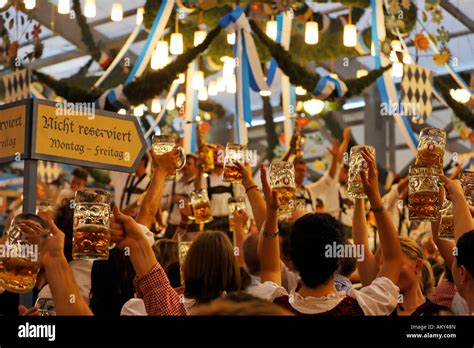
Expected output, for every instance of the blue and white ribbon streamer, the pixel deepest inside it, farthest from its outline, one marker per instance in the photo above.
(156, 31)
(327, 85)
(191, 111)
(386, 86)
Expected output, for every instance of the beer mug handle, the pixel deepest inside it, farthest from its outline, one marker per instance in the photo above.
(182, 158)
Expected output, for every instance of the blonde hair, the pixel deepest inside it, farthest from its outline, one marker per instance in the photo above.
(414, 252)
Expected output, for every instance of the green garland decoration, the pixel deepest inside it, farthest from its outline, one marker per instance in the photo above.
(353, 3)
(152, 84)
(92, 47)
(299, 76)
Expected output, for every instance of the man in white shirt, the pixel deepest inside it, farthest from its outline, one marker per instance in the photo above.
(136, 184)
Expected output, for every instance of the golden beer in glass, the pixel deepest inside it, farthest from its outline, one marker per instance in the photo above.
(162, 144)
(423, 190)
(282, 180)
(91, 234)
(234, 153)
(20, 251)
(184, 243)
(446, 225)
(235, 204)
(201, 206)
(357, 163)
(431, 147)
(467, 183)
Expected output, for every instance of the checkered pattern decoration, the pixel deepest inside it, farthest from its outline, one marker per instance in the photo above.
(17, 85)
(48, 171)
(416, 92)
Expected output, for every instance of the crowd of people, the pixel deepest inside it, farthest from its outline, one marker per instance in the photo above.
(262, 265)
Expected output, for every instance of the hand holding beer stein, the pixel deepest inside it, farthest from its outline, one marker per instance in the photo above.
(201, 206)
(467, 183)
(358, 163)
(235, 204)
(163, 144)
(282, 180)
(20, 251)
(234, 154)
(91, 235)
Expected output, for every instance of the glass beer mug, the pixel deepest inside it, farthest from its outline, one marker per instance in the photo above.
(282, 180)
(91, 234)
(165, 143)
(467, 183)
(356, 164)
(234, 153)
(20, 249)
(235, 204)
(423, 190)
(431, 147)
(446, 225)
(201, 206)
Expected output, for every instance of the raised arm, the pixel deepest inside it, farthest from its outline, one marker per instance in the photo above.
(254, 195)
(240, 222)
(389, 242)
(368, 267)
(291, 150)
(338, 151)
(66, 295)
(269, 245)
(461, 212)
(151, 282)
(162, 166)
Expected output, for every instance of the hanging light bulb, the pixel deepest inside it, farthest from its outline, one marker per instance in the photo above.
(117, 12)
(3, 3)
(202, 94)
(397, 69)
(64, 6)
(334, 75)
(313, 106)
(140, 14)
(138, 110)
(299, 90)
(461, 95)
(299, 105)
(231, 38)
(89, 9)
(265, 93)
(311, 33)
(350, 35)
(231, 85)
(170, 106)
(272, 30)
(29, 4)
(406, 59)
(156, 105)
(160, 57)
(212, 88)
(180, 99)
(207, 116)
(198, 80)
(228, 69)
(199, 37)
(361, 73)
(221, 85)
(181, 78)
(176, 43)
(122, 111)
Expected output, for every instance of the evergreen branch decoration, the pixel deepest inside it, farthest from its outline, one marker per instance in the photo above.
(70, 91)
(462, 111)
(356, 86)
(87, 38)
(152, 84)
